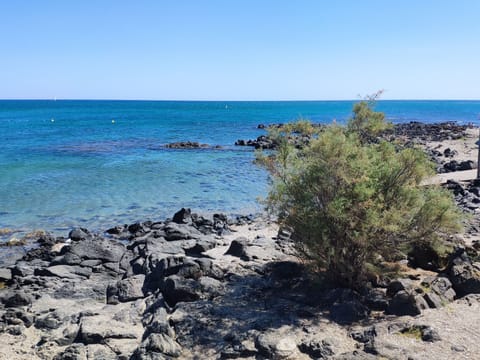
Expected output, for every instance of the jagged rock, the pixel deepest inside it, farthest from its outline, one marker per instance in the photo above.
(18, 317)
(72, 352)
(79, 234)
(65, 272)
(183, 216)
(158, 322)
(464, 276)
(430, 335)
(96, 329)
(5, 275)
(274, 345)
(376, 299)
(175, 231)
(356, 355)
(98, 248)
(404, 303)
(16, 298)
(237, 248)
(187, 145)
(51, 320)
(347, 312)
(439, 291)
(22, 269)
(179, 289)
(465, 279)
(317, 349)
(161, 343)
(128, 289)
(117, 230)
(200, 247)
(208, 268)
(433, 300)
(398, 285)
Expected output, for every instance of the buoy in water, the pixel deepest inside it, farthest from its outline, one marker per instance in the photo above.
(52, 120)
(113, 121)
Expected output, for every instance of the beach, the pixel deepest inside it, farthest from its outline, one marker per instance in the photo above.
(218, 287)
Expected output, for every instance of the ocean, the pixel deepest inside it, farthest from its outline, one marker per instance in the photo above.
(97, 164)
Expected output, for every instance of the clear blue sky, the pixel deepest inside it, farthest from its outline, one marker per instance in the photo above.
(239, 49)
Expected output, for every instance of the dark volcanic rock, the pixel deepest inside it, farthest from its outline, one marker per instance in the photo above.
(464, 275)
(348, 312)
(237, 248)
(179, 289)
(317, 349)
(97, 248)
(183, 216)
(128, 289)
(404, 303)
(16, 298)
(65, 271)
(79, 234)
(187, 145)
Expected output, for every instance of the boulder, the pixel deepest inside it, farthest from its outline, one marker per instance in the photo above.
(73, 352)
(174, 231)
(5, 275)
(16, 298)
(17, 317)
(465, 279)
(177, 289)
(79, 234)
(99, 248)
(275, 345)
(65, 272)
(125, 290)
(238, 248)
(96, 329)
(347, 312)
(398, 285)
(157, 322)
(317, 349)
(404, 303)
(464, 276)
(183, 216)
(163, 344)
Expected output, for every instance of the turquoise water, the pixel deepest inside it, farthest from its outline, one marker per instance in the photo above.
(65, 163)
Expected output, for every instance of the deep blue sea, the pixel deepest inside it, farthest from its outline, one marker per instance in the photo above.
(101, 163)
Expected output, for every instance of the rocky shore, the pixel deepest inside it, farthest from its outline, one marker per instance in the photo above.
(193, 287)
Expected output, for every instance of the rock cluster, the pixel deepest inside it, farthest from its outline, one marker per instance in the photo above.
(188, 145)
(177, 289)
(428, 132)
(413, 130)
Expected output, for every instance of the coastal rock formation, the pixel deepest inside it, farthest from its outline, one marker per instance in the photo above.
(416, 132)
(189, 145)
(223, 288)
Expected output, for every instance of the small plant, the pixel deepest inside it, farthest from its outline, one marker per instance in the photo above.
(414, 332)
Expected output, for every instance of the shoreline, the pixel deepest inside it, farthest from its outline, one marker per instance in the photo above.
(222, 288)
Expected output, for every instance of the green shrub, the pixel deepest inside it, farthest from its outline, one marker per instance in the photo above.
(353, 203)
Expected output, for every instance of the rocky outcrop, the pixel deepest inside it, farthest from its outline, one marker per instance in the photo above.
(190, 285)
(186, 145)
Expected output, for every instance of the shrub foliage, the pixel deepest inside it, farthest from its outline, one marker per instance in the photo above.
(352, 202)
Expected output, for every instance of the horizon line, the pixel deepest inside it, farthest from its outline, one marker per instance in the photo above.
(230, 100)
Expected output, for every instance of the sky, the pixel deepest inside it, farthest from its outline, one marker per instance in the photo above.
(239, 49)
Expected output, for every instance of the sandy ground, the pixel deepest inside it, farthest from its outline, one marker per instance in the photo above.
(466, 149)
